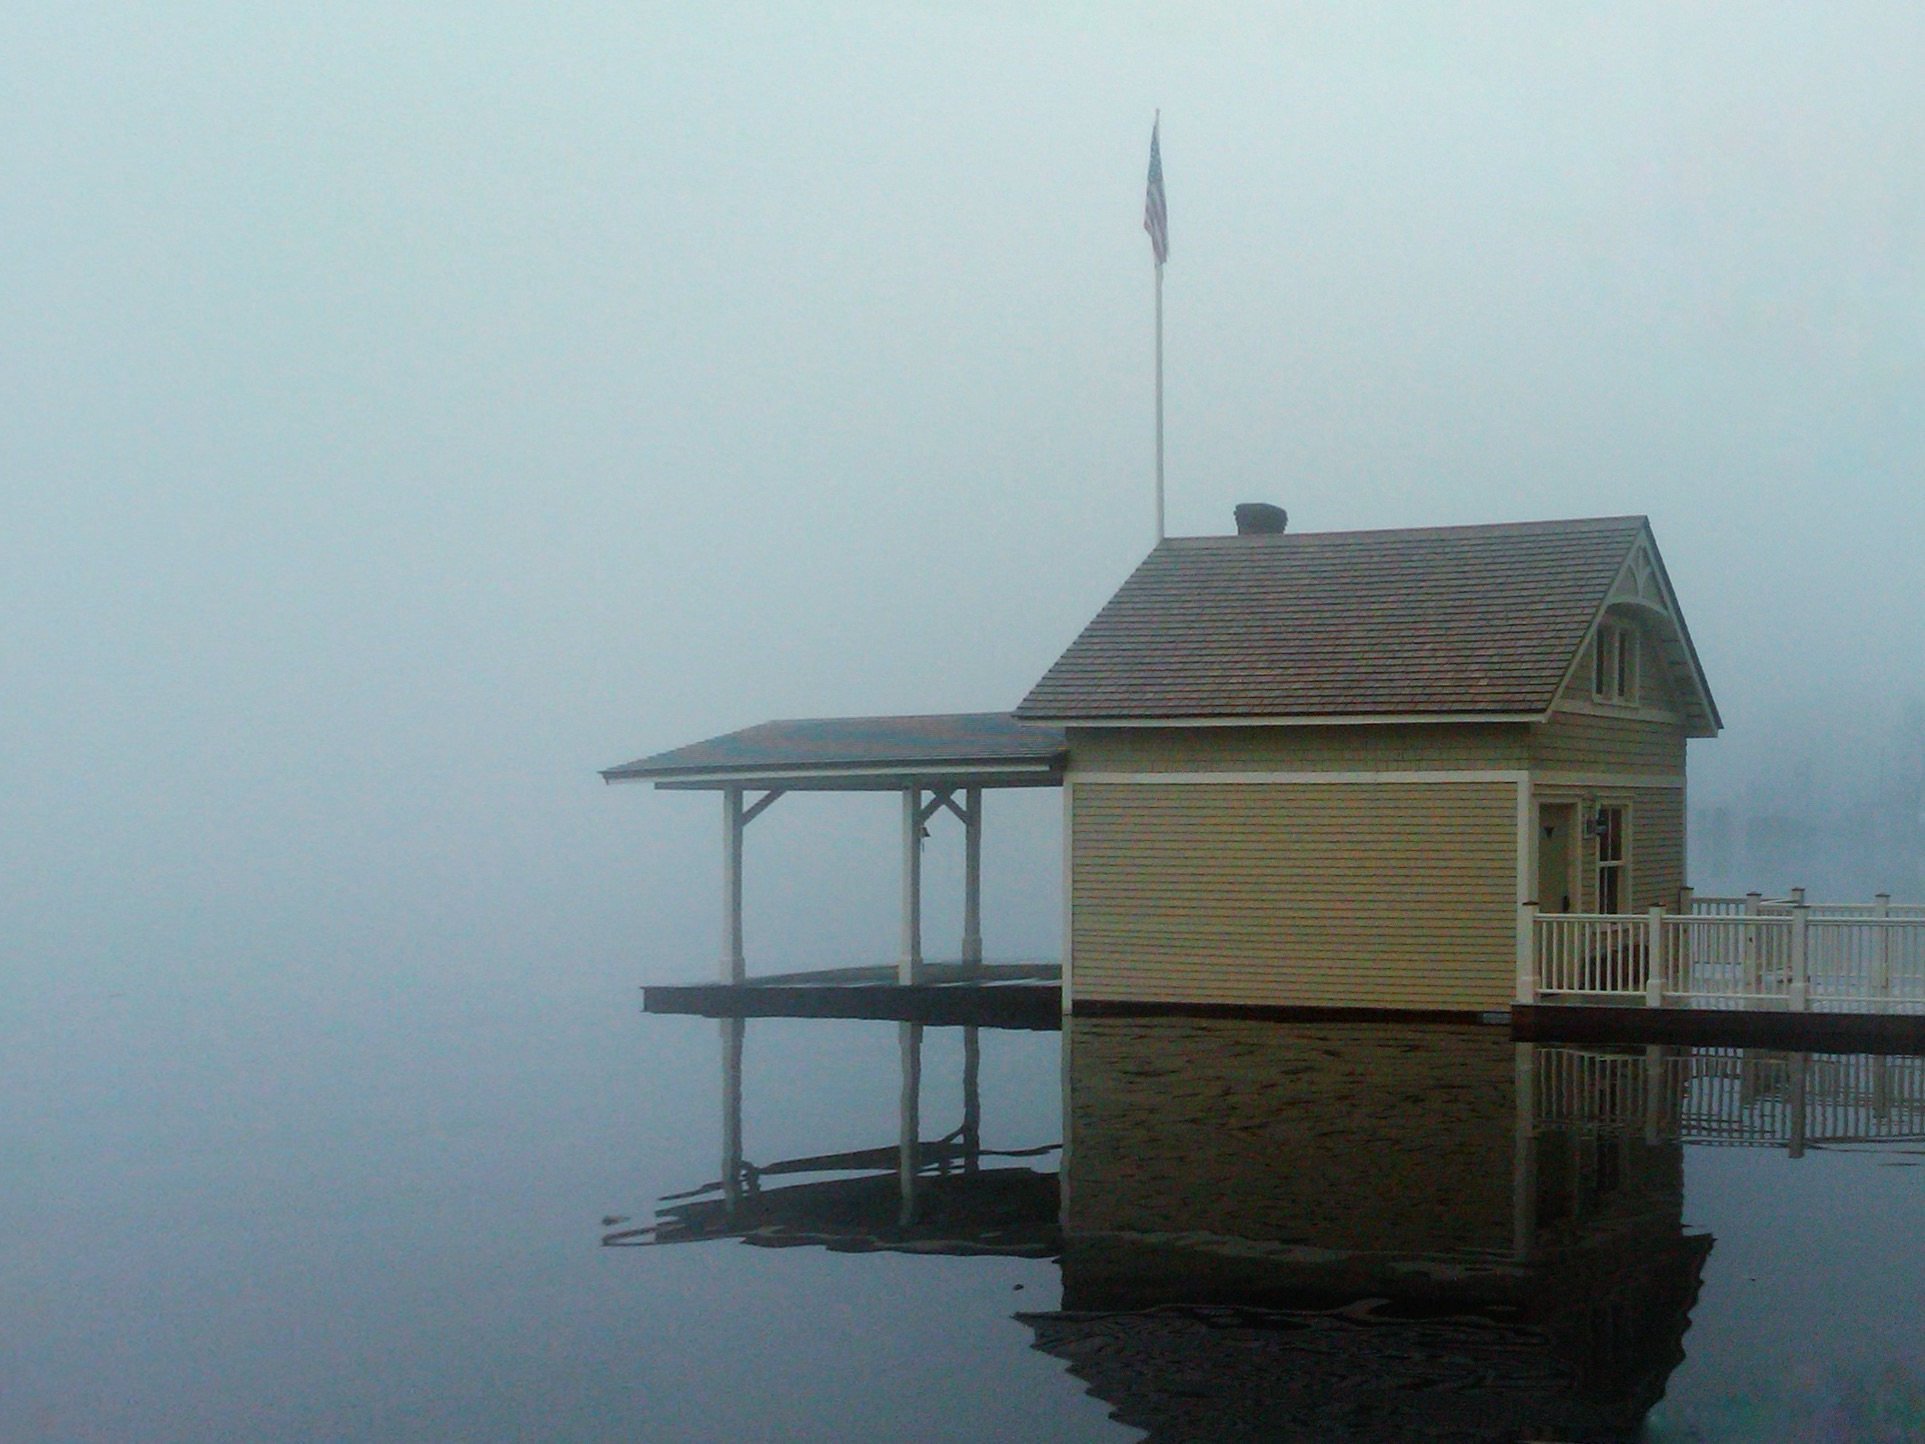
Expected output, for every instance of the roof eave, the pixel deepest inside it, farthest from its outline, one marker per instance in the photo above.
(1285, 719)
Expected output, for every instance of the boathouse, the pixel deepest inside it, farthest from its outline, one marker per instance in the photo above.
(1300, 770)
(1326, 769)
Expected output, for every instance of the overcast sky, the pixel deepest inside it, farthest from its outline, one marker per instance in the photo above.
(411, 409)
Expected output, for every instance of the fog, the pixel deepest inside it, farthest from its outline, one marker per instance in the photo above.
(411, 410)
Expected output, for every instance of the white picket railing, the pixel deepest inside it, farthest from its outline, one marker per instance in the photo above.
(1837, 957)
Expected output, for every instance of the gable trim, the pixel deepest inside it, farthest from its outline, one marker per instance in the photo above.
(1644, 545)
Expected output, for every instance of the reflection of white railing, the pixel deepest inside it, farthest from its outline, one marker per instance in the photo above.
(1837, 957)
(1732, 1096)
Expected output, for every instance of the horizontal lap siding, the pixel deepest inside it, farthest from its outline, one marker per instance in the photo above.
(1294, 894)
(1377, 748)
(1581, 742)
(1657, 846)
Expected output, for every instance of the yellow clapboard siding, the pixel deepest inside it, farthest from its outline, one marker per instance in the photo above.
(1395, 895)
(1586, 742)
(1657, 846)
(1377, 747)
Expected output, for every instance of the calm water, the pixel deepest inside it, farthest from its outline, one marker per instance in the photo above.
(331, 1230)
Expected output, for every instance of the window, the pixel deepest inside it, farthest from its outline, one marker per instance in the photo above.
(1612, 893)
(1614, 674)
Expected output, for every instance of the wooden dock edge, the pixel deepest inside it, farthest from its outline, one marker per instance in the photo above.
(1708, 1027)
(1030, 1007)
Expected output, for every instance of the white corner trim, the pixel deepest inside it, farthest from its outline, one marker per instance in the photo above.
(1069, 909)
(1526, 841)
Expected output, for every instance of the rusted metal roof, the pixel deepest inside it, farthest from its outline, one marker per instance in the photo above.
(986, 749)
(1443, 621)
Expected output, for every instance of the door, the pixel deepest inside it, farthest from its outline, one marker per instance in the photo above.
(1556, 823)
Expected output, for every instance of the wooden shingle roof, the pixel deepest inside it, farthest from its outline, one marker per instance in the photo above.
(1438, 621)
(989, 749)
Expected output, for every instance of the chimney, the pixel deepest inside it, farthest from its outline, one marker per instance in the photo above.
(1259, 518)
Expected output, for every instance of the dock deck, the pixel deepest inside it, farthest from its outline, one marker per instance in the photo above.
(1026, 996)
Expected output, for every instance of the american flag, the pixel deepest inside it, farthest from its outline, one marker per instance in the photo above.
(1156, 217)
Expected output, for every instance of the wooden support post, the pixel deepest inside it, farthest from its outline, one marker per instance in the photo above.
(733, 1030)
(972, 938)
(1798, 897)
(910, 966)
(1795, 1104)
(1654, 958)
(909, 1137)
(972, 1124)
(1800, 1000)
(1685, 895)
(734, 969)
(1527, 952)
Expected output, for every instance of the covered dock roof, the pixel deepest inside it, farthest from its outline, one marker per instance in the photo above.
(953, 758)
(864, 754)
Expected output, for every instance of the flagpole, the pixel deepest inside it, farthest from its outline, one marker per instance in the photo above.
(1156, 220)
(1159, 401)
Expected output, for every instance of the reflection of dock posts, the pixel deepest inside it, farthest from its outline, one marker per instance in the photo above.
(911, 962)
(972, 1124)
(909, 1141)
(1653, 1094)
(972, 938)
(732, 1033)
(1795, 1102)
(1524, 1156)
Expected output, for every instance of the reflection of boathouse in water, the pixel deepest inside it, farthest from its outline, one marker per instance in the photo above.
(1317, 1231)
(1359, 1232)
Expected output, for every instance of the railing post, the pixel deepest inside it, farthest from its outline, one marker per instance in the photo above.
(1882, 909)
(1685, 896)
(1654, 958)
(1527, 952)
(1748, 958)
(1800, 1000)
(1797, 897)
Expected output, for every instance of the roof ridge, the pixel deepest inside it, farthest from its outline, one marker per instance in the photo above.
(1500, 528)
